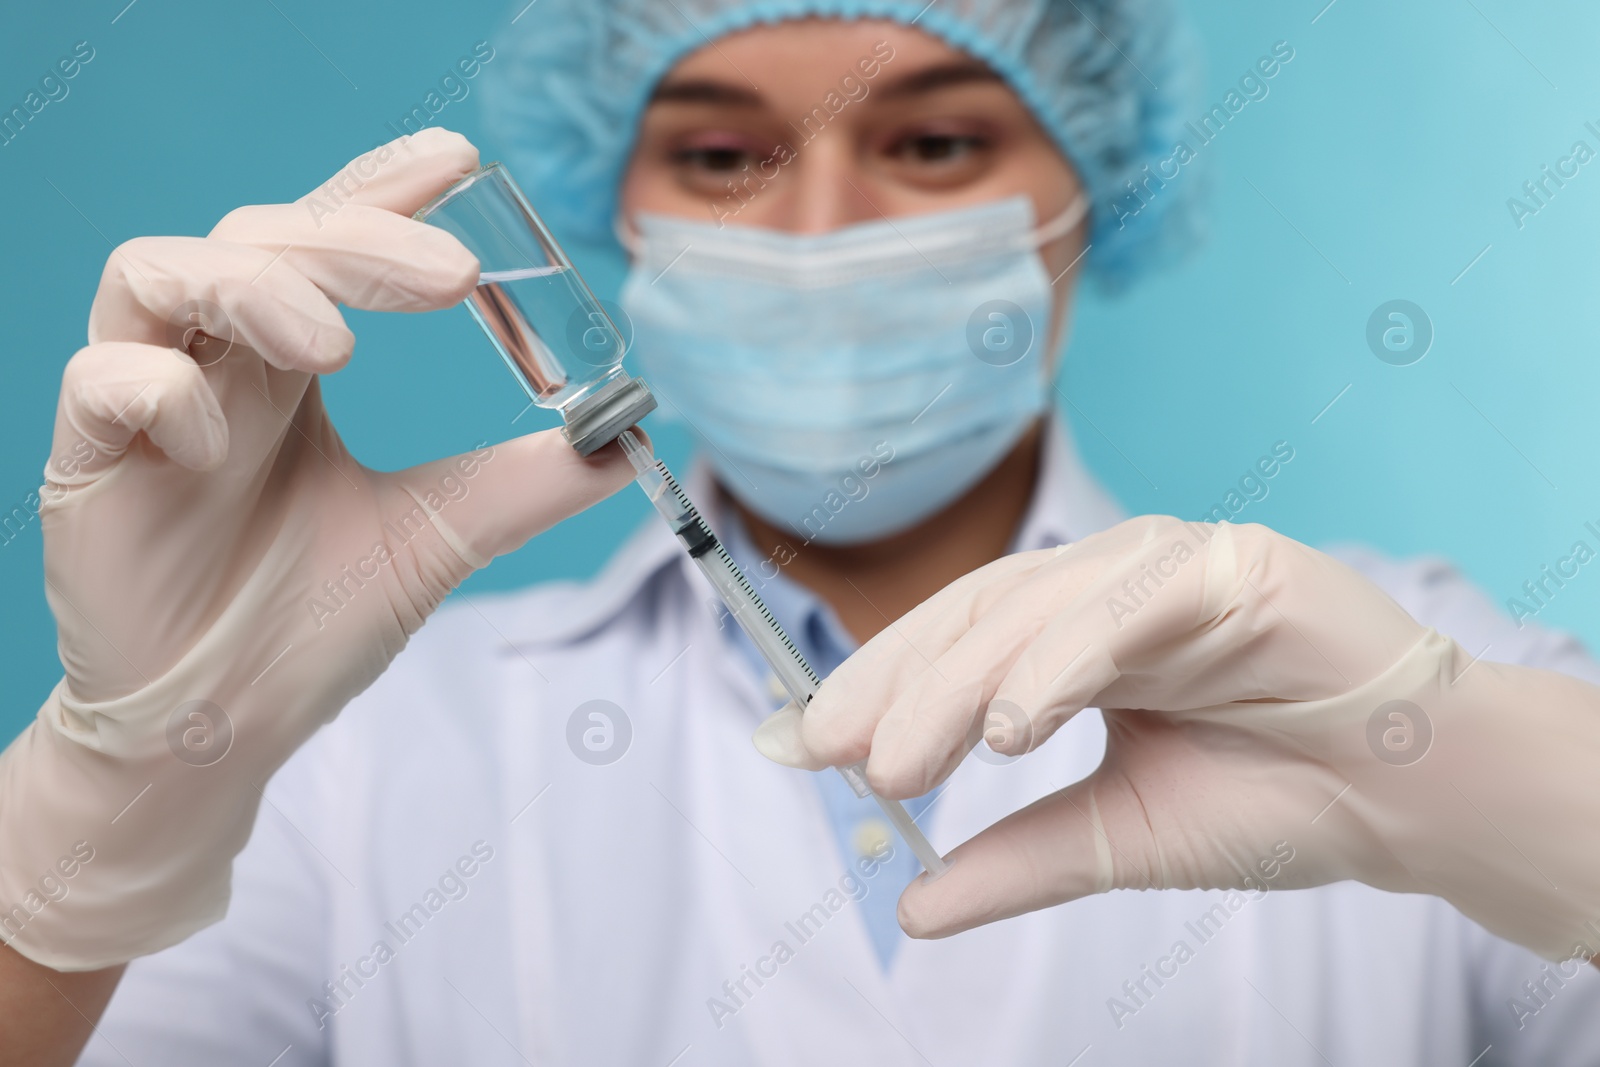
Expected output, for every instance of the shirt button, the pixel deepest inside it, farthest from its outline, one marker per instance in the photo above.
(871, 837)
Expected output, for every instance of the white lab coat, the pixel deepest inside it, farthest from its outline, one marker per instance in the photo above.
(607, 905)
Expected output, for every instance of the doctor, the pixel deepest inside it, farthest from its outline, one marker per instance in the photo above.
(541, 835)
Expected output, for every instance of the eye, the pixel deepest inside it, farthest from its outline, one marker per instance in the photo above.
(713, 158)
(931, 147)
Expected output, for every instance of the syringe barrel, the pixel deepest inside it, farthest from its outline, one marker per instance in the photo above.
(796, 678)
(753, 618)
(719, 569)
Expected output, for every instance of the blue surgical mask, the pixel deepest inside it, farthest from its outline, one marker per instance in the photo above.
(849, 384)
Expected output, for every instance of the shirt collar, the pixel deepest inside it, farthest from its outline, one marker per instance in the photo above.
(1068, 505)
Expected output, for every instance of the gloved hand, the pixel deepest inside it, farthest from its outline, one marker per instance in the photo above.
(224, 576)
(1287, 707)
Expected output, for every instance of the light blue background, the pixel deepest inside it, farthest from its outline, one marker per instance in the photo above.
(1378, 168)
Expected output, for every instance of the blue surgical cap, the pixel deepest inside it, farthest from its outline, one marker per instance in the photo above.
(1110, 80)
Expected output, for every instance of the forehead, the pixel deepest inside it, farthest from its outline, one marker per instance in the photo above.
(779, 62)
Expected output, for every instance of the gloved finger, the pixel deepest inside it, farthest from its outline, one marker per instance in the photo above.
(917, 696)
(1164, 810)
(401, 176)
(931, 725)
(490, 501)
(357, 250)
(1152, 597)
(940, 716)
(1185, 805)
(159, 290)
(114, 390)
(354, 236)
(838, 725)
(1054, 850)
(780, 738)
(363, 257)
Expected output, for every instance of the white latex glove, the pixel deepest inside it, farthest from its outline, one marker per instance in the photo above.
(1264, 670)
(208, 539)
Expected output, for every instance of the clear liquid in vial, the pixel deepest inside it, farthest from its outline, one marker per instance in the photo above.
(548, 329)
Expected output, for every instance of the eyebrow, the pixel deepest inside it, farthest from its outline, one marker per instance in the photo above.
(926, 80)
(940, 76)
(705, 91)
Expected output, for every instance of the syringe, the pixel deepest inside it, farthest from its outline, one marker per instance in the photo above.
(752, 615)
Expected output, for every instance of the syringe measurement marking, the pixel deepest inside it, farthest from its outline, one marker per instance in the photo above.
(761, 607)
(705, 541)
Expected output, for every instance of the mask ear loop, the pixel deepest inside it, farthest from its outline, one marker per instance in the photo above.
(628, 237)
(1063, 223)
(1054, 230)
